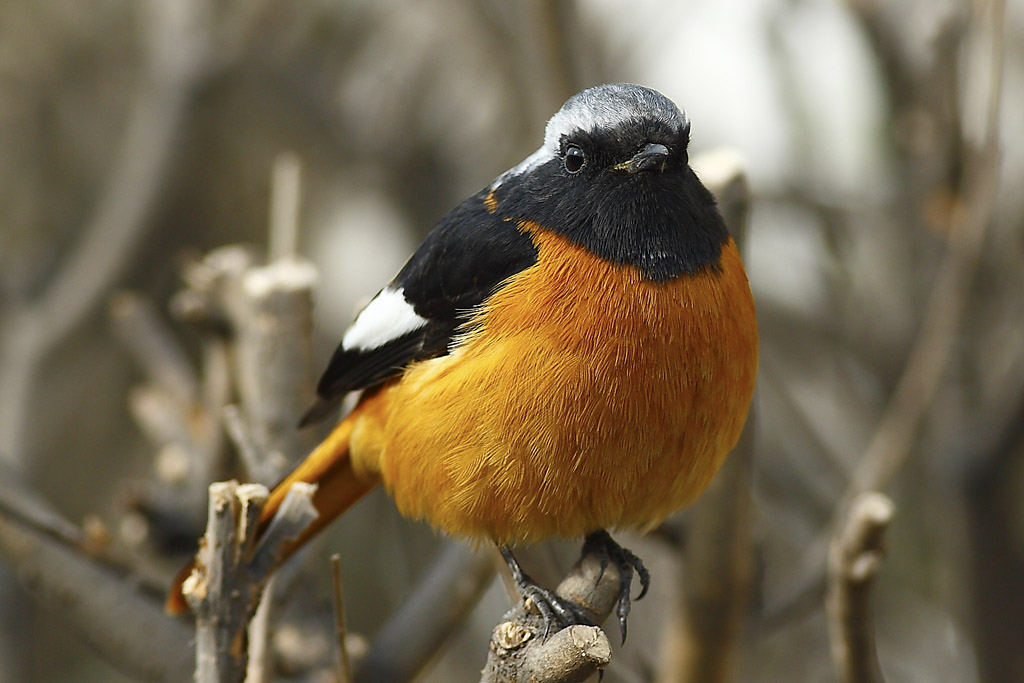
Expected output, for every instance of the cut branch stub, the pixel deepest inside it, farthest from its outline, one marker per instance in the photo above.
(519, 651)
(233, 568)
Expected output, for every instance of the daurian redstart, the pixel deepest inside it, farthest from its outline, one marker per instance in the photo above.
(571, 349)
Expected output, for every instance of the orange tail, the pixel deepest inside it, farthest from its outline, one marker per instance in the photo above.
(338, 488)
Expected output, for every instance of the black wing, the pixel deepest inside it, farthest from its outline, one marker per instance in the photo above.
(461, 262)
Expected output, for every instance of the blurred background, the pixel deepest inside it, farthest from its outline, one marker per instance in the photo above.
(885, 248)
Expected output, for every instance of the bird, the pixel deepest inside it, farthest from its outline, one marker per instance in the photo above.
(572, 349)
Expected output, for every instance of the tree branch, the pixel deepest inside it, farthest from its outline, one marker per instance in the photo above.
(929, 356)
(519, 653)
(449, 591)
(855, 556)
(80, 583)
(233, 569)
(176, 52)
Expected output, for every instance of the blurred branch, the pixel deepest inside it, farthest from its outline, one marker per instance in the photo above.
(932, 349)
(344, 663)
(154, 347)
(233, 569)
(518, 651)
(440, 603)
(174, 56)
(701, 637)
(855, 556)
(116, 611)
(267, 310)
(989, 465)
(259, 668)
(177, 411)
(285, 204)
(256, 327)
(930, 354)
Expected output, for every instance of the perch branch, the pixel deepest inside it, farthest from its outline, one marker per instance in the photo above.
(519, 653)
(855, 555)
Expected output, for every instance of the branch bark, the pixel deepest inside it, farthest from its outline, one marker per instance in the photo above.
(233, 569)
(518, 651)
(855, 556)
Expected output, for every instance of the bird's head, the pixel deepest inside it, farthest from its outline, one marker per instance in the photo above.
(613, 176)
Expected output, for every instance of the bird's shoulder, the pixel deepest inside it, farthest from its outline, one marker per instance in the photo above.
(466, 256)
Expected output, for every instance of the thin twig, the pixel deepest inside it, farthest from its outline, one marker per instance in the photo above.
(285, 200)
(933, 347)
(344, 665)
(855, 556)
(154, 346)
(258, 669)
(241, 437)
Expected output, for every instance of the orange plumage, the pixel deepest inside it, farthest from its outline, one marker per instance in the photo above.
(564, 412)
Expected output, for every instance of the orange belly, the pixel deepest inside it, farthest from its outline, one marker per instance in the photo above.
(569, 408)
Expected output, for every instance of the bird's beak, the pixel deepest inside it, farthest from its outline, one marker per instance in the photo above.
(652, 157)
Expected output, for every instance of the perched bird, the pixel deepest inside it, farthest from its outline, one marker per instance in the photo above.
(571, 349)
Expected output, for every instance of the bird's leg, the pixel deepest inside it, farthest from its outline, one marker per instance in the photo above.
(601, 544)
(550, 605)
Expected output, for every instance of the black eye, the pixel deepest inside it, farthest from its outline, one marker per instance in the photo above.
(574, 159)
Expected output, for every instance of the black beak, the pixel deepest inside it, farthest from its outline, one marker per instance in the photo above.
(652, 157)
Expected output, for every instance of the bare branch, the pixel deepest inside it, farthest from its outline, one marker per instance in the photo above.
(933, 347)
(285, 200)
(258, 669)
(231, 574)
(176, 52)
(344, 665)
(569, 656)
(245, 444)
(519, 652)
(855, 556)
(922, 375)
(66, 574)
(153, 346)
(449, 591)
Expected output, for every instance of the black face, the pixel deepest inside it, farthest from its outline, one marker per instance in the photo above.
(625, 194)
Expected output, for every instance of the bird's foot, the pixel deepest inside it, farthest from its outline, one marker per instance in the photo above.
(600, 543)
(552, 607)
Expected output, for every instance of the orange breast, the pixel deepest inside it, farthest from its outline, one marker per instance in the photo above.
(584, 397)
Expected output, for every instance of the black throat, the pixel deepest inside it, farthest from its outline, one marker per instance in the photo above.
(663, 222)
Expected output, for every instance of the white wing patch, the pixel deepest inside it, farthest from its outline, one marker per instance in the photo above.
(387, 317)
